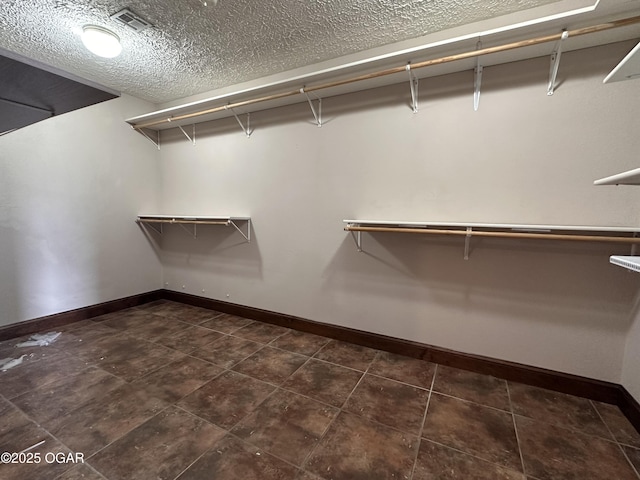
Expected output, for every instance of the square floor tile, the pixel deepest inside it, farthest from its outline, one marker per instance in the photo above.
(193, 315)
(437, 462)
(271, 365)
(227, 351)
(82, 471)
(356, 448)
(227, 399)
(160, 448)
(61, 397)
(129, 357)
(286, 425)
(260, 332)
(155, 327)
(300, 342)
(557, 408)
(395, 404)
(190, 339)
(30, 375)
(25, 437)
(550, 453)
(403, 369)
(324, 381)
(231, 459)
(226, 323)
(96, 424)
(347, 354)
(482, 389)
(481, 431)
(178, 379)
(633, 454)
(622, 429)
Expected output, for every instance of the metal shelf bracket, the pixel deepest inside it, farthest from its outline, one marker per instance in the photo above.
(155, 142)
(247, 130)
(555, 63)
(246, 236)
(477, 80)
(316, 114)
(413, 84)
(191, 138)
(467, 242)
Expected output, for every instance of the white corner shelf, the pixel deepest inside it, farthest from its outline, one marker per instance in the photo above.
(631, 177)
(194, 220)
(628, 261)
(627, 69)
(625, 235)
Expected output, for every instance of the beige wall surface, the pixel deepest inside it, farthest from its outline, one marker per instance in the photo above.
(523, 157)
(631, 365)
(70, 189)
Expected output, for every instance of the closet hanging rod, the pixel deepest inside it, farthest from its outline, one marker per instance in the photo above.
(390, 71)
(180, 221)
(464, 233)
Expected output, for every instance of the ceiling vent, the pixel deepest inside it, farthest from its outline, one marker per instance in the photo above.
(130, 19)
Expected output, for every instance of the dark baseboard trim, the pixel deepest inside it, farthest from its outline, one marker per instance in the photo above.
(557, 381)
(598, 390)
(64, 318)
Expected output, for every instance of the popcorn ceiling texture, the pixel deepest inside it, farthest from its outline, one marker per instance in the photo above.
(192, 49)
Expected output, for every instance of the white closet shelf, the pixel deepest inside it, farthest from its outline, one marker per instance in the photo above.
(631, 177)
(628, 261)
(626, 235)
(195, 220)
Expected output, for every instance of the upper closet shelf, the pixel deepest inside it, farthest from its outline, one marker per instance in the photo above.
(628, 235)
(152, 220)
(632, 177)
(630, 262)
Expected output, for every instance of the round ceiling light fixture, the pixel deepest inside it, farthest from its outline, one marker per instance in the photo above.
(100, 41)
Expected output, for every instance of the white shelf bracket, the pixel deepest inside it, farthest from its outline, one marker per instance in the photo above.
(413, 84)
(247, 130)
(555, 63)
(357, 238)
(150, 225)
(246, 236)
(316, 114)
(191, 138)
(477, 81)
(194, 234)
(467, 242)
(155, 142)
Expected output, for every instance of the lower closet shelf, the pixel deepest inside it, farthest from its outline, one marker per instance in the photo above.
(151, 221)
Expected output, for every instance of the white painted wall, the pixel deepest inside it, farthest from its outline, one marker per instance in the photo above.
(70, 190)
(523, 157)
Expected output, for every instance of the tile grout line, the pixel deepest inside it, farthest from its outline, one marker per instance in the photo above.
(515, 429)
(340, 411)
(624, 454)
(424, 419)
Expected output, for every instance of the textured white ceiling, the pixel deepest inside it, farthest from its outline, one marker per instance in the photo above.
(192, 49)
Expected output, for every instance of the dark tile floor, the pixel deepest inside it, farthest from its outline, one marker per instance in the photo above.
(168, 391)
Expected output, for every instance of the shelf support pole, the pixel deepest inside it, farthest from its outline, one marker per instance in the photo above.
(156, 143)
(246, 236)
(247, 130)
(192, 139)
(357, 238)
(634, 247)
(555, 63)
(467, 241)
(317, 115)
(413, 84)
(477, 80)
